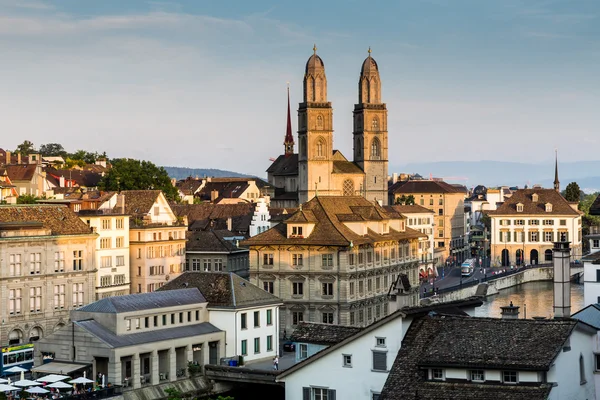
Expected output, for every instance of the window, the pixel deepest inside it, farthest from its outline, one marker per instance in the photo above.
(597, 359)
(351, 259)
(106, 224)
(369, 285)
(270, 343)
(375, 149)
(534, 222)
(197, 315)
(139, 253)
(379, 361)
(77, 260)
(244, 346)
(77, 294)
(519, 207)
(119, 222)
(137, 323)
(548, 236)
(35, 299)
(380, 341)
(128, 324)
(14, 301)
(296, 231)
(105, 243)
(120, 242)
(256, 319)
(351, 288)
(430, 202)
(14, 264)
(596, 243)
(218, 264)
(437, 374)
(352, 318)
(35, 263)
(59, 261)
(314, 393)
(327, 260)
(297, 259)
(534, 236)
(105, 280)
(441, 234)
(369, 257)
(361, 287)
(377, 256)
(106, 261)
(172, 319)
(548, 222)
(298, 288)
(207, 266)
(256, 345)
(441, 211)
(59, 297)
(181, 318)
(303, 350)
(519, 222)
(327, 289)
(582, 380)
(361, 258)
(347, 360)
(477, 375)
(120, 261)
(297, 317)
(268, 259)
(509, 377)
(164, 320)
(548, 207)
(268, 286)
(243, 321)
(327, 317)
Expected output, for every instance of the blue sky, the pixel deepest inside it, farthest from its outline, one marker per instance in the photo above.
(203, 83)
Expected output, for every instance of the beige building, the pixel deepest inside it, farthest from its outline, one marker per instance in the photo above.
(156, 239)
(319, 169)
(525, 226)
(47, 268)
(447, 203)
(27, 174)
(334, 261)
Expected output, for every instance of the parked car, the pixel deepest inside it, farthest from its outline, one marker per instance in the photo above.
(289, 346)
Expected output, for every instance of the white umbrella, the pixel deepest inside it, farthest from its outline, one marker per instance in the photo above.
(81, 379)
(26, 383)
(60, 385)
(52, 378)
(15, 370)
(2, 380)
(37, 390)
(7, 388)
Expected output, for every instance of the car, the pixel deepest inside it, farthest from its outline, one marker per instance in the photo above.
(289, 346)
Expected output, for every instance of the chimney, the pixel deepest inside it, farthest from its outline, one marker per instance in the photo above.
(510, 311)
(121, 203)
(35, 159)
(61, 181)
(561, 258)
(229, 224)
(101, 162)
(8, 156)
(394, 177)
(18, 158)
(213, 195)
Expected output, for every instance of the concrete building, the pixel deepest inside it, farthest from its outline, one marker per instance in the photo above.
(334, 260)
(248, 315)
(112, 251)
(138, 339)
(47, 267)
(447, 203)
(156, 239)
(525, 226)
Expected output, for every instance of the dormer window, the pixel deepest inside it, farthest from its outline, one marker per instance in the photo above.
(297, 231)
(548, 207)
(534, 197)
(519, 207)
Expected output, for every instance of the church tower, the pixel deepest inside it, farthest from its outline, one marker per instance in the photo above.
(288, 142)
(556, 181)
(315, 133)
(370, 132)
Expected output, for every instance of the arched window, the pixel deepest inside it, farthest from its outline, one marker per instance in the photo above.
(375, 149)
(348, 187)
(15, 336)
(319, 121)
(35, 334)
(375, 124)
(321, 147)
(582, 379)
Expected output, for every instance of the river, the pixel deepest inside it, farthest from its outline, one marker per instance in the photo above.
(534, 298)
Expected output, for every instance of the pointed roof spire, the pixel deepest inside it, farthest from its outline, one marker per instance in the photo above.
(315, 48)
(556, 181)
(288, 143)
(369, 51)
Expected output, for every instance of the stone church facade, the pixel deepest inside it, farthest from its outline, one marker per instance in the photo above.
(320, 170)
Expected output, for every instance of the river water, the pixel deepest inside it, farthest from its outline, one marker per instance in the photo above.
(534, 298)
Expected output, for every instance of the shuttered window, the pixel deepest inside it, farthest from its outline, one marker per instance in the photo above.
(317, 394)
(379, 361)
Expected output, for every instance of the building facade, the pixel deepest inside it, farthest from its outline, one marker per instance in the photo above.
(318, 169)
(47, 268)
(216, 251)
(334, 260)
(525, 227)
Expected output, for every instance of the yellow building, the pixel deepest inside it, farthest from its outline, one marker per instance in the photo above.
(447, 203)
(525, 226)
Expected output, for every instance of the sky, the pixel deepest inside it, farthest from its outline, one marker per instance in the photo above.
(203, 83)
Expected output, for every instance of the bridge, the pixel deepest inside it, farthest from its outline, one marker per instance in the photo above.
(241, 375)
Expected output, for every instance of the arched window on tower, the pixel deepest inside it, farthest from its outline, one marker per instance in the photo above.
(319, 122)
(375, 149)
(375, 124)
(321, 147)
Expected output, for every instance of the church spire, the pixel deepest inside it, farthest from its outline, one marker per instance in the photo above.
(556, 181)
(289, 139)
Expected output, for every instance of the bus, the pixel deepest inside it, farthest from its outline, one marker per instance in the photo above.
(19, 355)
(467, 267)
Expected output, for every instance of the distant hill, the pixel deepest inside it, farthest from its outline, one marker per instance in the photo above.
(497, 173)
(182, 173)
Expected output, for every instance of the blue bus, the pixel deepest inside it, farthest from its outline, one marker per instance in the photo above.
(16, 356)
(467, 267)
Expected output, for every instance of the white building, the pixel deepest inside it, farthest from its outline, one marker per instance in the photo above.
(112, 251)
(356, 367)
(248, 314)
(261, 217)
(591, 278)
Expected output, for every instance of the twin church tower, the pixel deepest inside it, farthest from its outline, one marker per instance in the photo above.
(320, 170)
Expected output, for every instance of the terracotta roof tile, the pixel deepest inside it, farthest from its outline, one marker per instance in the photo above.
(408, 209)
(326, 334)
(58, 218)
(560, 206)
(139, 202)
(423, 186)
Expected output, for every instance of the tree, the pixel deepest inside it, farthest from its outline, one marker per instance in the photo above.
(573, 192)
(52, 150)
(27, 199)
(130, 174)
(25, 148)
(406, 200)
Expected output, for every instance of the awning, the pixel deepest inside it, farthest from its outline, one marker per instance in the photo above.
(59, 367)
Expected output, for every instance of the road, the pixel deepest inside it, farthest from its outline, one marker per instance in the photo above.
(451, 276)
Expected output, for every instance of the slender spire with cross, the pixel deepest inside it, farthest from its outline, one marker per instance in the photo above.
(315, 48)
(369, 51)
(288, 143)
(556, 181)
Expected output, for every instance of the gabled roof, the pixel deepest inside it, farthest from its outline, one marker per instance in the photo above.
(80, 177)
(284, 165)
(423, 186)
(402, 313)
(211, 241)
(560, 206)
(58, 218)
(409, 209)
(595, 208)
(330, 212)
(589, 315)
(326, 334)
(229, 189)
(223, 289)
(481, 343)
(145, 301)
(20, 172)
(200, 215)
(189, 186)
(139, 201)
